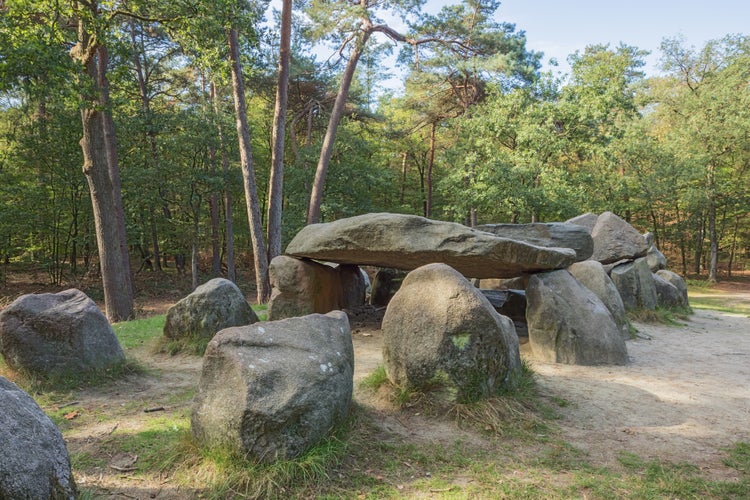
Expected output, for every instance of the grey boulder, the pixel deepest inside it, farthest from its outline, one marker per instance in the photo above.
(592, 275)
(569, 324)
(654, 258)
(272, 390)
(408, 241)
(52, 334)
(587, 220)
(551, 234)
(677, 281)
(34, 462)
(213, 306)
(615, 239)
(439, 323)
(635, 283)
(301, 287)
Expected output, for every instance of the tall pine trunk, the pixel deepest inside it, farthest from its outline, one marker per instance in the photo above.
(248, 173)
(276, 181)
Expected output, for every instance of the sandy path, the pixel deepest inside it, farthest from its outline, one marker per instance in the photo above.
(684, 396)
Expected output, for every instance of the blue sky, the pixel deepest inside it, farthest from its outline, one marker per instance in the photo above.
(559, 28)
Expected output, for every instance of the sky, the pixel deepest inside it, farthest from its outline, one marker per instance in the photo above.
(559, 28)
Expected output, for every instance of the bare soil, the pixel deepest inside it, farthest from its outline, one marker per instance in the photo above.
(684, 397)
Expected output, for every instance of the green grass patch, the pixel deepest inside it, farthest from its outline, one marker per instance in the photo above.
(739, 458)
(660, 315)
(139, 332)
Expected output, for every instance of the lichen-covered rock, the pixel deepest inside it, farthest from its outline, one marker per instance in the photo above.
(635, 283)
(592, 275)
(569, 324)
(213, 306)
(301, 287)
(439, 323)
(34, 462)
(51, 334)
(409, 241)
(271, 390)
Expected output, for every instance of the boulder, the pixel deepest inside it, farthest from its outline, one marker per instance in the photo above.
(667, 295)
(53, 334)
(592, 275)
(385, 284)
(671, 290)
(438, 323)
(34, 462)
(552, 234)
(654, 258)
(569, 324)
(615, 239)
(635, 283)
(213, 306)
(587, 220)
(271, 390)
(676, 280)
(510, 303)
(302, 287)
(408, 241)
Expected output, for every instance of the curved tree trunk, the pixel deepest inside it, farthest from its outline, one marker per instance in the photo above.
(316, 196)
(248, 173)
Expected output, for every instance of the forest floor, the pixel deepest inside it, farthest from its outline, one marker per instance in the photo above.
(683, 398)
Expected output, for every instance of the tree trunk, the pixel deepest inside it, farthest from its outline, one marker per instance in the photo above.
(430, 165)
(713, 239)
(276, 180)
(248, 173)
(228, 215)
(316, 196)
(403, 177)
(97, 165)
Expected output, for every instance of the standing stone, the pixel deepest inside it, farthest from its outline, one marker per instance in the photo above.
(551, 234)
(615, 239)
(592, 275)
(635, 283)
(213, 306)
(272, 390)
(679, 283)
(409, 241)
(667, 295)
(34, 462)
(386, 283)
(302, 287)
(654, 258)
(439, 323)
(569, 324)
(53, 334)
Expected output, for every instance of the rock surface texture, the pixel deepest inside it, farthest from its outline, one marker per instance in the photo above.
(615, 239)
(271, 390)
(635, 283)
(408, 241)
(302, 287)
(213, 306)
(34, 462)
(439, 323)
(677, 281)
(53, 334)
(592, 275)
(569, 324)
(551, 234)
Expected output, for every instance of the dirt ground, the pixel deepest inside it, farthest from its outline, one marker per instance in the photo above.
(684, 396)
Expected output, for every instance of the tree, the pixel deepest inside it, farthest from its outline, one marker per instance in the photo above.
(276, 179)
(704, 105)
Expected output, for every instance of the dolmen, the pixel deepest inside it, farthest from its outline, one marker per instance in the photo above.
(578, 278)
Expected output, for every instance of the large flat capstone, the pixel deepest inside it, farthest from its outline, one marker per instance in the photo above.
(409, 241)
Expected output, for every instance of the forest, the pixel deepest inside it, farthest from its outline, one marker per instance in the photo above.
(204, 135)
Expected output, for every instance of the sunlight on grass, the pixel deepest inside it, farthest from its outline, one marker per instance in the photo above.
(717, 300)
